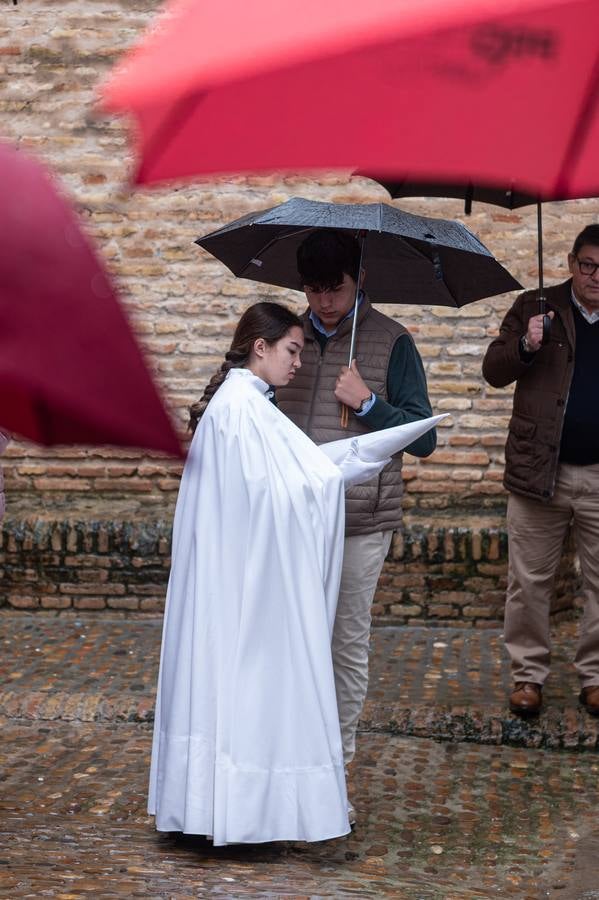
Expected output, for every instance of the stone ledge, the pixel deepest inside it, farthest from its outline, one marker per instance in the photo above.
(51, 706)
(562, 728)
(440, 573)
(556, 729)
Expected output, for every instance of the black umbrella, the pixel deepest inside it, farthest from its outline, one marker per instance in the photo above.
(407, 258)
(507, 197)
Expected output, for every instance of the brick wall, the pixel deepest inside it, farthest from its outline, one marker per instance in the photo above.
(183, 304)
(433, 574)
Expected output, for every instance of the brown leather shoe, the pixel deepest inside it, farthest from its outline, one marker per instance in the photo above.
(589, 697)
(527, 698)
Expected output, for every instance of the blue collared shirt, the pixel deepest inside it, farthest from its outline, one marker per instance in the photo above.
(320, 327)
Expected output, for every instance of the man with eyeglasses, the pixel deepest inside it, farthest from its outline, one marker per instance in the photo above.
(551, 468)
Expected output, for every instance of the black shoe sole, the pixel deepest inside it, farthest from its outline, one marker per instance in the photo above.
(524, 713)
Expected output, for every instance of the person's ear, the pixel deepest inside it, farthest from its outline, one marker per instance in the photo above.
(571, 258)
(259, 347)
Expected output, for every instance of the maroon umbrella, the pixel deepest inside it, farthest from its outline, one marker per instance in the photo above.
(70, 369)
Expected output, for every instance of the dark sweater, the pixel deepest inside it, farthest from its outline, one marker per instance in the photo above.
(580, 436)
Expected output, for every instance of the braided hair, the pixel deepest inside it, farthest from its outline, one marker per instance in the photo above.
(269, 321)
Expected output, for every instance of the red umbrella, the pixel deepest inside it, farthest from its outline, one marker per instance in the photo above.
(444, 89)
(70, 369)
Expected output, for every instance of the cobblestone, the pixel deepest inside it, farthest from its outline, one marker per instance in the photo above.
(444, 683)
(435, 821)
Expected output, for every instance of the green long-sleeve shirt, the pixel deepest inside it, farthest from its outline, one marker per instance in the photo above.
(407, 392)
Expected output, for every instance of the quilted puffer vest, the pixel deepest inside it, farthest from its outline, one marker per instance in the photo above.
(310, 402)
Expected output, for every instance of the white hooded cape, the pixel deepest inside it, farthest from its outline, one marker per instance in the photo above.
(246, 739)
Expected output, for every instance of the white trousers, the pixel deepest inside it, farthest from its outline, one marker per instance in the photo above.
(363, 558)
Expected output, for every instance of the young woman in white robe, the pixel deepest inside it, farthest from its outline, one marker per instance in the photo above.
(246, 741)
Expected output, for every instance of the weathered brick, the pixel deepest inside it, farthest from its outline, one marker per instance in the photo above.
(458, 458)
(56, 602)
(123, 602)
(184, 305)
(441, 611)
(152, 604)
(90, 589)
(89, 603)
(475, 612)
(403, 609)
(63, 485)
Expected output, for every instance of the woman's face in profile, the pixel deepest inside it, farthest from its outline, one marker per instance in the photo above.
(280, 361)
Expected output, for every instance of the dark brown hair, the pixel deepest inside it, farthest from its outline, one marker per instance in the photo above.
(269, 321)
(325, 256)
(589, 235)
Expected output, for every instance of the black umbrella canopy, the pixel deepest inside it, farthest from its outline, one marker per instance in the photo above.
(407, 259)
(506, 196)
(498, 195)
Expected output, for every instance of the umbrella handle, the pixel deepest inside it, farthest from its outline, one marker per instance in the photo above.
(542, 305)
(546, 319)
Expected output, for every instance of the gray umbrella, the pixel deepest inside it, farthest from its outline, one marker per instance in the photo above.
(408, 259)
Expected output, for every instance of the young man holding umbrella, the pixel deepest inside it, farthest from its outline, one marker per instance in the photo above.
(385, 386)
(552, 468)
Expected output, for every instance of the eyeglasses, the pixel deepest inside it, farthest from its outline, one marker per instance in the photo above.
(587, 268)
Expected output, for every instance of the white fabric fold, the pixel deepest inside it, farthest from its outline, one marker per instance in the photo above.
(355, 470)
(246, 741)
(377, 446)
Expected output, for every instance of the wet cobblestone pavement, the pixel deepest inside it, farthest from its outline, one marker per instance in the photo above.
(435, 819)
(445, 683)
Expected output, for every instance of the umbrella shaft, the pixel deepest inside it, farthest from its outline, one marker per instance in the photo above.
(540, 256)
(354, 326)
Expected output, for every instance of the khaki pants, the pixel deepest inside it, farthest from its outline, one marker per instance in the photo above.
(536, 533)
(363, 559)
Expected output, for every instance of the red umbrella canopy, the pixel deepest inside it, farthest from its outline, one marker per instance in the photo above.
(445, 89)
(70, 369)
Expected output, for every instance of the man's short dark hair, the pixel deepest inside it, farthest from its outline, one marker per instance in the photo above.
(588, 235)
(325, 256)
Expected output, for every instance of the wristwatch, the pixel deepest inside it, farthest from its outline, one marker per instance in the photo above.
(526, 348)
(364, 403)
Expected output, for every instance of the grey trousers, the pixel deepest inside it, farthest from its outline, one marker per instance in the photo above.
(536, 533)
(363, 559)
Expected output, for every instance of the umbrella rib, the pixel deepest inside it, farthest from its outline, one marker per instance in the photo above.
(435, 264)
(269, 244)
(171, 124)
